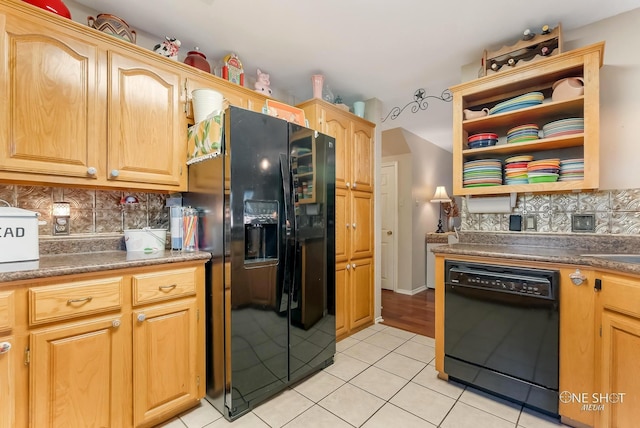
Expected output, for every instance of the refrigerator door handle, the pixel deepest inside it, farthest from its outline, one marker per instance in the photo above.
(286, 187)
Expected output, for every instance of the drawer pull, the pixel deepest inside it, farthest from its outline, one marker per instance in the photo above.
(4, 347)
(141, 317)
(115, 323)
(83, 300)
(167, 287)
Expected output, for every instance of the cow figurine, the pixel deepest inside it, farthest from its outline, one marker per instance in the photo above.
(262, 84)
(169, 48)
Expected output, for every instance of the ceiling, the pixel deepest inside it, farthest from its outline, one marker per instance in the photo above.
(365, 48)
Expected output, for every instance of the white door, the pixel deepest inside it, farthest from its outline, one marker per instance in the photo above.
(389, 205)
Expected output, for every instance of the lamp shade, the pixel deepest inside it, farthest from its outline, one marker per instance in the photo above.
(441, 195)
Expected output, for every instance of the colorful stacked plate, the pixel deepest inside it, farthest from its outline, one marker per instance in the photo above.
(543, 171)
(484, 139)
(558, 128)
(522, 133)
(483, 172)
(527, 100)
(571, 170)
(515, 169)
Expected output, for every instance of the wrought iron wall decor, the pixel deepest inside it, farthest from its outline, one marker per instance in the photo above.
(420, 102)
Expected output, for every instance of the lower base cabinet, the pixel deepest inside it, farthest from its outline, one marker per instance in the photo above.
(121, 348)
(7, 381)
(78, 374)
(617, 368)
(354, 296)
(165, 342)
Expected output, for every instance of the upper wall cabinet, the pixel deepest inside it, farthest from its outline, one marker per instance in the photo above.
(87, 109)
(518, 102)
(53, 109)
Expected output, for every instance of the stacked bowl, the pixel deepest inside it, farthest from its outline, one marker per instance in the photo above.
(522, 133)
(481, 173)
(572, 170)
(558, 128)
(515, 169)
(484, 139)
(543, 171)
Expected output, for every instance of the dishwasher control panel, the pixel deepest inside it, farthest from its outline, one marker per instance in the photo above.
(539, 283)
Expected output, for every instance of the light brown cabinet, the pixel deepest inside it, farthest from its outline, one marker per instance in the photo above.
(618, 351)
(52, 83)
(354, 208)
(165, 341)
(540, 76)
(78, 373)
(7, 361)
(121, 348)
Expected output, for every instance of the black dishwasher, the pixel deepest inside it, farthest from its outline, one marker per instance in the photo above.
(502, 331)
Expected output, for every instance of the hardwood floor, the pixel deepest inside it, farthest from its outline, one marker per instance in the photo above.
(412, 313)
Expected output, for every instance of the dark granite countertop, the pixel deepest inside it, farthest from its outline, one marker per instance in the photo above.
(74, 255)
(73, 263)
(563, 249)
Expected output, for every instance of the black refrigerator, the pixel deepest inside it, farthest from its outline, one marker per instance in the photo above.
(266, 213)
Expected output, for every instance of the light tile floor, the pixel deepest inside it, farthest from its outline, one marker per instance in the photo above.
(382, 377)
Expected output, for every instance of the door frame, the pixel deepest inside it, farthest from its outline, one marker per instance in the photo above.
(393, 164)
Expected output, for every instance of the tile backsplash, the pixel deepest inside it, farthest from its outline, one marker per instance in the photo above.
(615, 211)
(92, 211)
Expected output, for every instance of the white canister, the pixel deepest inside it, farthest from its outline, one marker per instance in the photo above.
(205, 102)
(18, 235)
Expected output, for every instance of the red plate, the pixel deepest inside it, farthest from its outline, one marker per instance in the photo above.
(483, 136)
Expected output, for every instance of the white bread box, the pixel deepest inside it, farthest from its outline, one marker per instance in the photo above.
(18, 235)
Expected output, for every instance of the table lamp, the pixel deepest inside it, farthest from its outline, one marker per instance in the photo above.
(440, 196)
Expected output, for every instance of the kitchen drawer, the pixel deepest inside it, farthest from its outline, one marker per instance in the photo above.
(165, 285)
(73, 299)
(6, 311)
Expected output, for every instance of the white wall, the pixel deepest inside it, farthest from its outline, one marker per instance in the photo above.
(619, 96)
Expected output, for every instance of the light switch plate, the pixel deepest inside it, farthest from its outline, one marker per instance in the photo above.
(583, 222)
(530, 223)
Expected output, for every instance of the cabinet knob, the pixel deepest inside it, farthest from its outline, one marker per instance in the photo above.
(115, 323)
(348, 267)
(354, 185)
(347, 225)
(92, 170)
(577, 277)
(141, 317)
(348, 185)
(389, 232)
(353, 225)
(353, 265)
(115, 173)
(4, 347)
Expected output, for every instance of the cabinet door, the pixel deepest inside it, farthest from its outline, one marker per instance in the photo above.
(146, 142)
(7, 382)
(52, 111)
(361, 296)
(361, 224)
(342, 299)
(338, 126)
(577, 327)
(343, 225)
(618, 308)
(164, 341)
(78, 373)
(362, 157)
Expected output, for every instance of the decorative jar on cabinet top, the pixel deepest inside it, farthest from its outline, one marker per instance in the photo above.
(197, 59)
(113, 25)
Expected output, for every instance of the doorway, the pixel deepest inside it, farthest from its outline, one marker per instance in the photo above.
(389, 221)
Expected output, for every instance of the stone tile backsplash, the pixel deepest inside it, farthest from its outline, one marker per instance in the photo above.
(92, 211)
(616, 212)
